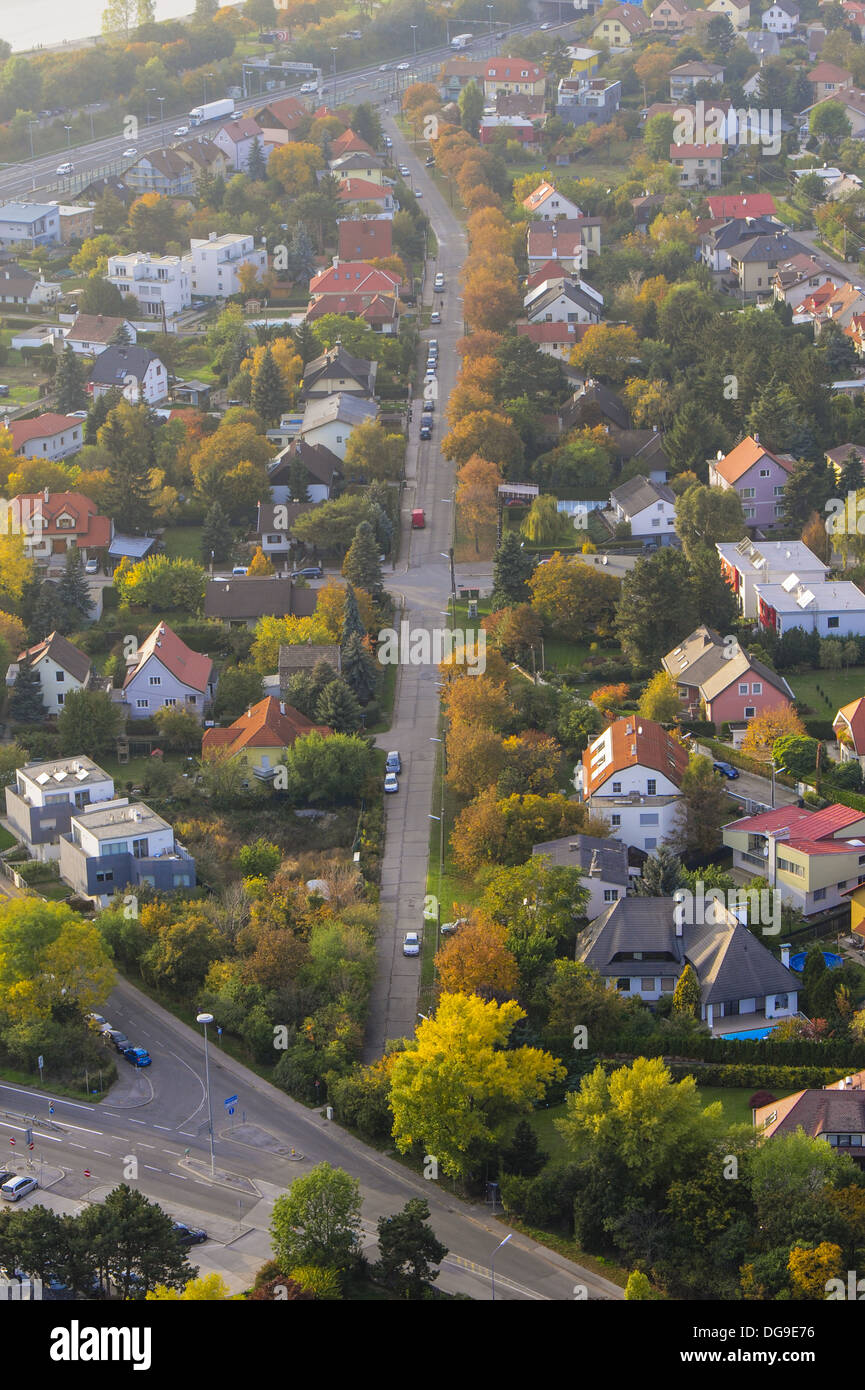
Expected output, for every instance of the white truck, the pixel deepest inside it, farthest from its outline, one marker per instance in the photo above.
(212, 111)
(461, 40)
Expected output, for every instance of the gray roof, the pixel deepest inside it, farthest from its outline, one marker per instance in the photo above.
(573, 293)
(25, 212)
(779, 247)
(609, 857)
(826, 1112)
(708, 664)
(738, 229)
(646, 445)
(728, 960)
(119, 361)
(337, 360)
(136, 547)
(605, 402)
(289, 511)
(58, 649)
(305, 655)
(257, 596)
(321, 463)
(638, 493)
(349, 410)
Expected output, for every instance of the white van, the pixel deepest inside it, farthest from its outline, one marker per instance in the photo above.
(308, 87)
(16, 1188)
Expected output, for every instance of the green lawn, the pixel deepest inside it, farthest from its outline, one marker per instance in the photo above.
(840, 688)
(563, 655)
(734, 1100)
(7, 839)
(385, 701)
(183, 542)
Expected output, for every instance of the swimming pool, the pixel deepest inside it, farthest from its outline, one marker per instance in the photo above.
(797, 962)
(753, 1035)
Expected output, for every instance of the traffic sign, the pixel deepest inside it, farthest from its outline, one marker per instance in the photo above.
(232, 1100)
(87, 1172)
(50, 1109)
(41, 1062)
(229, 1109)
(28, 1138)
(12, 1142)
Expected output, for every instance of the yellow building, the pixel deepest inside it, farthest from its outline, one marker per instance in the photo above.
(621, 26)
(261, 736)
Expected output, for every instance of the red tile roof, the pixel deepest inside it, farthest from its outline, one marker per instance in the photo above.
(553, 332)
(696, 151)
(361, 190)
(43, 427)
(364, 237)
(739, 205)
(269, 724)
(192, 668)
(853, 715)
(744, 456)
(354, 277)
(780, 818)
(811, 832)
(635, 742)
(349, 143)
(91, 529)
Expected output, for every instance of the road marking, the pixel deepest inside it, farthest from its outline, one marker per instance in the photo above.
(152, 1169)
(77, 1146)
(40, 1095)
(167, 1128)
(142, 1145)
(171, 1153)
(135, 1122)
(102, 1152)
(82, 1129)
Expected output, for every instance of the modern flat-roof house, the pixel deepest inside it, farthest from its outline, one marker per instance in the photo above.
(758, 475)
(649, 508)
(632, 774)
(216, 261)
(91, 334)
(832, 610)
(50, 523)
(60, 666)
(161, 284)
(46, 793)
(49, 436)
(603, 864)
(718, 680)
(136, 371)
(122, 843)
(28, 225)
(747, 563)
(835, 1113)
(261, 736)
(811, 857)
(642, 945)
(330, 421)
(167, 672)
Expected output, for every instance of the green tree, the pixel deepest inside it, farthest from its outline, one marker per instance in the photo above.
(261, 859)
(256, 164)
(69, 383)
(512, 566)
(298, 479)
(73, 591)
(361, 565)
(327, 770)
(142, 1243)
(703, 808)
(338, 708)
(408, 1248)
(661, 876)
(88, 723)
(26, 706)
(658, 136)
(707, 515)
(686, 997)
(352, 623)
(127, 436)
(829, 122)
(178, 728)
(657, 606)
(360, 671)
(238, 688)
(317, 1222)
(471, 104)
(268, 391)
(797, 755)
(217, 536)
(524, 1154)
(714, 598)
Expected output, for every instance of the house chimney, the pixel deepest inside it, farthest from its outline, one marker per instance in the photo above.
(211, 236)
(45, 494)
(282, 707)
(756, 439)
(785, 954)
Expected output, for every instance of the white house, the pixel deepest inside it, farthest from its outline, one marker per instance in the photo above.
(161, 284)
(631, 774)
(747, 563)
(236, 139)
(60, 668)
(44, 796)
(548, 204)
(564, 301)
(832, 610)
(91, 334)
(27, 225)
(330, 421)
(782, 17)
(49, 436)
(604, 865)
(649, 508)
(216, 261)
(118, 843)
(737, 11)
(165, 672)
(136, 371)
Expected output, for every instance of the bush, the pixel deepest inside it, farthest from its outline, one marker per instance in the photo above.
(110, 598)
(820, 728)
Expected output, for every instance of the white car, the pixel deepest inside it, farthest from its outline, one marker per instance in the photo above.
(130, 153)
(411, 944)
(385, 67)
(91, 567)
(391, 782)
(404, 170)
(66, 168)
(307, 87)
(403, 67)
(439, 282)
(418, 192)
(546, 26)
(182, 130)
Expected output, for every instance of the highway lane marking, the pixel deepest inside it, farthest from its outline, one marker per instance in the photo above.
(152, 1169)
(135, 1122)
(142, 1145)
(167, 1128)
(77, 1146)
(22, 1129)
(82, 1129)
(40, 1095)
(463, 1263)
(102, 1152)
(171, 1153)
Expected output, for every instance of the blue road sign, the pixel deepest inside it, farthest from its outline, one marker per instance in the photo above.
(232, 1100)
(230, 1109)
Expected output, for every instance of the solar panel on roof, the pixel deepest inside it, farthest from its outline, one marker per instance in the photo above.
(789, 584)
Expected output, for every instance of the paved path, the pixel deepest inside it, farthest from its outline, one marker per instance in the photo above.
(423, 584)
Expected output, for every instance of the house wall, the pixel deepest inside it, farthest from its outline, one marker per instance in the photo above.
(644, 824)
(764, 507)
(56, 684)
(838, 623)
(334, 435)
(658, 520)
(215, 268)
(169, 688)
(100, 876)
(731, 704)
(54, 446)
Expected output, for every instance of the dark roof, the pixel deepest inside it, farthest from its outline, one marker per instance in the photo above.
(119, 361)
(55, 647)
(638, 493)
(778, 247)
(582, 851)
(336, 359)
(826, 1112)
(645, 445)
(737, 229)
(321, 463)
(99, 187)
(572, 292)
(305, 655)
(595, 398)
(289, 512)
(257, 596)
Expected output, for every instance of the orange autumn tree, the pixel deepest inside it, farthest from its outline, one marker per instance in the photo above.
(475, 758)
(260, 564)
(488, 434)
(476, 960)
(477, 495)
(479, 701)
(609, 698)
(768, 726)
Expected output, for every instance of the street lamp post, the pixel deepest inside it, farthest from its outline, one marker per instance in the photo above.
(149, 91)
(30, 125)
(492, 1263)
(413, 28)
(161, 101)
(204, 1019)
(334, 52)
(206, 75)
(68, 130)
(490, 9)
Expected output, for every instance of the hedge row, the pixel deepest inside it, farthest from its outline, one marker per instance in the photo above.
(746, 763)
(783, 1078)
(795, 1052)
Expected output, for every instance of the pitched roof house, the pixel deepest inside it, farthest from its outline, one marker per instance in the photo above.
(49, 436)
(545, 202)
(364, 238)
(632, 774)
(849, 726)
(619, 27)
(836, 1113)
(91, 334)
(60, 666)
(758, 475)
(51, 522)
(136, 371)
(811, 857)
(167, 672)
(721, 679)
(323, 471)
(649, 508)
(604, 865)
(261, 735)
(337, 370)
(242, 600)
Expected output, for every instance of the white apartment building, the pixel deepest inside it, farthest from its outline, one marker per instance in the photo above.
(46, 794)
(159, 283)
(216, 261)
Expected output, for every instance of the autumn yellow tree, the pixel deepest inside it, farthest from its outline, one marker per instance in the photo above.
(487, 433)
(16, 570)
(476, 960)
(768, 726)
(660, 699)
(490, 302)
(475, 757)
(606, 350)
(811, 1267)
(287, 359)
(295, 166)
(574, 599)
(260, 564)
(13, 633)
(609, 698)
(478, 701)
(330, 608)
(481, 344)
(477, 496)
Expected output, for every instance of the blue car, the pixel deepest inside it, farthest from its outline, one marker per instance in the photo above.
(138, 1056)
(727, 770)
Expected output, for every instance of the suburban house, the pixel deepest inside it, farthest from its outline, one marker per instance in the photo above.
(584, 61)
(838, 456)
(507, 75)
(747, 563)
(347, 143)
(282, 120)
(364, 238)
(165, 172)
(330, 421)
(60, 666)
(619, 27)
(205, 158)
(741, 983)
(91, 334)
(236, 139)
(649, 508)
(669, 17)
(719, 681)
(759, 477)
(161, 284)
(583, 100)
(856, 896)
(273, 529)
(799, 277)
(849, 726)
(323, 471)
(527, 130)
(687, 76)
(548, 205)
(568, 241)
(359, 166)
(811, 857)
(51, 522)
(782, 17)
(632, 774)
(167, 672)
(304, 656)
(49, 436)
(603, 863)
(243, 599)
(120, 843)
(826, 79)
(352, 190)
(741, 205)
(699, 165)
(337, 370)
(737, 11)
(136, 371)
(718, 239)
(16, 284)
(553, 339)
(28, 225)
(457, 73)
(352, 278)
(836, 1113)
(564, 301)
(216, 261)
(260, 737)
(832, 610)
(380, 311)
(754, 261)
(46, 792)
(76, 222)
(852, 100)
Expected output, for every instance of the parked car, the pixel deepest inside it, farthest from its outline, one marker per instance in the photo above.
(546, 26)
(109, 1035)
(309, 572)
(16, 1188)
(388, 142)
(411, 944)
(428, 407)
(189, 1235)
(391, 783)
(95, 1021)
(435, 316)
(393, 763)
(4, 390)
(121, 1042)
(91, 567)
(433, 345)
(138, 1056)
(240, 569)
(429, 161)
(418, 193)
(439, 282)
(726, 770)
(404, 170)
(426, 429)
